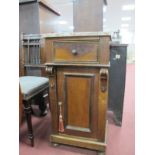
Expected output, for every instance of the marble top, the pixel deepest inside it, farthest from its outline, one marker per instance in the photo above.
(66, 34)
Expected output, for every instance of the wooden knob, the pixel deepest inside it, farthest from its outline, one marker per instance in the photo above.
(74, 51)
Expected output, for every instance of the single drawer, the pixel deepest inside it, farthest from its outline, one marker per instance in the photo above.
(75, 51)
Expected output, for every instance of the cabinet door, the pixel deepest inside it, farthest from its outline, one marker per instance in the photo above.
(78, 92)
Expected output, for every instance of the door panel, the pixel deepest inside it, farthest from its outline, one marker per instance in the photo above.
(78, 88)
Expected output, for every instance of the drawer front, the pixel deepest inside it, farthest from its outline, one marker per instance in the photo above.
(75, 51)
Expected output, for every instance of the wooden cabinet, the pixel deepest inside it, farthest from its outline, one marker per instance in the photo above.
(77, 66)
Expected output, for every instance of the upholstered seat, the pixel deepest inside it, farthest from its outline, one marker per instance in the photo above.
(32, 85)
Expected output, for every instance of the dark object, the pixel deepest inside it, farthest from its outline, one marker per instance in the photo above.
(117, 72)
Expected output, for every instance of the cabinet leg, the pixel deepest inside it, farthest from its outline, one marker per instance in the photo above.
(100, 153)
(49, 101)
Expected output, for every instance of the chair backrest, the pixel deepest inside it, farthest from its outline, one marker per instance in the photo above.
(32, 56)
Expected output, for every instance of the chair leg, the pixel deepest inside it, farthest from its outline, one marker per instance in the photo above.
(42, 104)
(47, 96)
(27, 110)
(49, 101)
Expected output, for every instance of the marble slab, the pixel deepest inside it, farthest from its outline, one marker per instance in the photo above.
(66, 34)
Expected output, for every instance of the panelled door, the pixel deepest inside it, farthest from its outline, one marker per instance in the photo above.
(78, 95)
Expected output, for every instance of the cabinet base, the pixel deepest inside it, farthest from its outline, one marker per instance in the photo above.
(78, 141)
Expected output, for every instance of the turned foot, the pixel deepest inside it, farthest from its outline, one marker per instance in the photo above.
(55, 144)
(100, 153)
(31, 138)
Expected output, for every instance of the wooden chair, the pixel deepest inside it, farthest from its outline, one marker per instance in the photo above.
(34, 85)
(31, 86)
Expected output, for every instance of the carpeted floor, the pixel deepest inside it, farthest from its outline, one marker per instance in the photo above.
(120, 139)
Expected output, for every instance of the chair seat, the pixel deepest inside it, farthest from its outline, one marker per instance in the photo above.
(32, 85)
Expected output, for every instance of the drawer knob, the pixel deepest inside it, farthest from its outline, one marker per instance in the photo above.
(74, 51)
